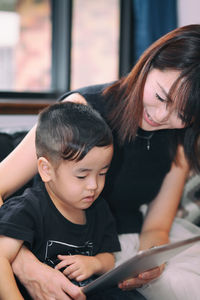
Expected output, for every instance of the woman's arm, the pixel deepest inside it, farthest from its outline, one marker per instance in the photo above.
(19, 166)
(42, 281)
(161, 213)
(76, 98)
(8, 287)
(162, 210)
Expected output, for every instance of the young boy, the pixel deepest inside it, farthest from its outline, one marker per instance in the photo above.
(62, 220)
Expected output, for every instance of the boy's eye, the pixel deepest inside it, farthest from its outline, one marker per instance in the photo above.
(159, 98)
(81, 177)
(103, 174)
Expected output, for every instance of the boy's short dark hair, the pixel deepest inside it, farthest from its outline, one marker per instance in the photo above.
(69, 131)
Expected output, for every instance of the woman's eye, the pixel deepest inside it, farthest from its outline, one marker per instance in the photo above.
(181, 117)
(159, 98)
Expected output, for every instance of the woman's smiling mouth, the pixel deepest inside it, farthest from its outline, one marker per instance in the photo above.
(149, 120)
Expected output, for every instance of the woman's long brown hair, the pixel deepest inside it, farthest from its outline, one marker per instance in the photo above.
(177, 50)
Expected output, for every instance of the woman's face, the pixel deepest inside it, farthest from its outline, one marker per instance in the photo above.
(159, 112)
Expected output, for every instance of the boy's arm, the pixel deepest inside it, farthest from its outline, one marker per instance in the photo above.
(8, 287)
(106, 262)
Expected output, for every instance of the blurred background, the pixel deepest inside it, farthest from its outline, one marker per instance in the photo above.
(50, 46)
(56, 45)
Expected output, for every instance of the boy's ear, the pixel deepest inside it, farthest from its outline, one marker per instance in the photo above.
(45, 169)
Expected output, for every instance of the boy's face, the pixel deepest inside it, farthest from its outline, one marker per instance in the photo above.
(76, 185)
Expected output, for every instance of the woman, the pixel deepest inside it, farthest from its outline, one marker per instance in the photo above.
(154, 113)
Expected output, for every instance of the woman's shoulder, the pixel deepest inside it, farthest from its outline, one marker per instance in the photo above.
(91, 90)
(92, 94)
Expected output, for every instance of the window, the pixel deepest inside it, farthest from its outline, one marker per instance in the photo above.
(25, 46)
(50, 46)
(95, 42)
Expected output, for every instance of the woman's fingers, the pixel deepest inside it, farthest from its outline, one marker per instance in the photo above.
(131, 283)
(142, 279)
(152, 274)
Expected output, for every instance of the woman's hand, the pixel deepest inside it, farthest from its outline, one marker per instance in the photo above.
(52, 284)
(42, 281)
(141, 279)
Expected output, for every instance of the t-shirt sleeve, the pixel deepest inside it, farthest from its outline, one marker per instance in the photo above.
(17, 219)
(93, 95)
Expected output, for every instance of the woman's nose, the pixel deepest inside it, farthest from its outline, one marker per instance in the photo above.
(162, 114)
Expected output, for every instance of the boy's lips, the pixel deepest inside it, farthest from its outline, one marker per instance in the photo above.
(88, 199)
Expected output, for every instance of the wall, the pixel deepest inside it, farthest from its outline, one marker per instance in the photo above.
(12, 123)
(188, 12)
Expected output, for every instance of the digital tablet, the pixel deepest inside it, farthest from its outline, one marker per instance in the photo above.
(143, 261)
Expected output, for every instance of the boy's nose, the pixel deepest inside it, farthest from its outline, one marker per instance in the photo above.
(92, 184)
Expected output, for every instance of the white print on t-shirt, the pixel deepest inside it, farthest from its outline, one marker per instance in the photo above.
(53, 248)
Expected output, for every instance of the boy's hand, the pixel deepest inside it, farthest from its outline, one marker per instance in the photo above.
(78, 267)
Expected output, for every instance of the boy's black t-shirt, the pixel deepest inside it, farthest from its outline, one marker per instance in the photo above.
(33, 218)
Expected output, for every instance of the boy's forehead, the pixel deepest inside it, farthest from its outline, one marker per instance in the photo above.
(96, 157)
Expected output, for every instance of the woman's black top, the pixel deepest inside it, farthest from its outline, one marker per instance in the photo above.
(136, 172)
